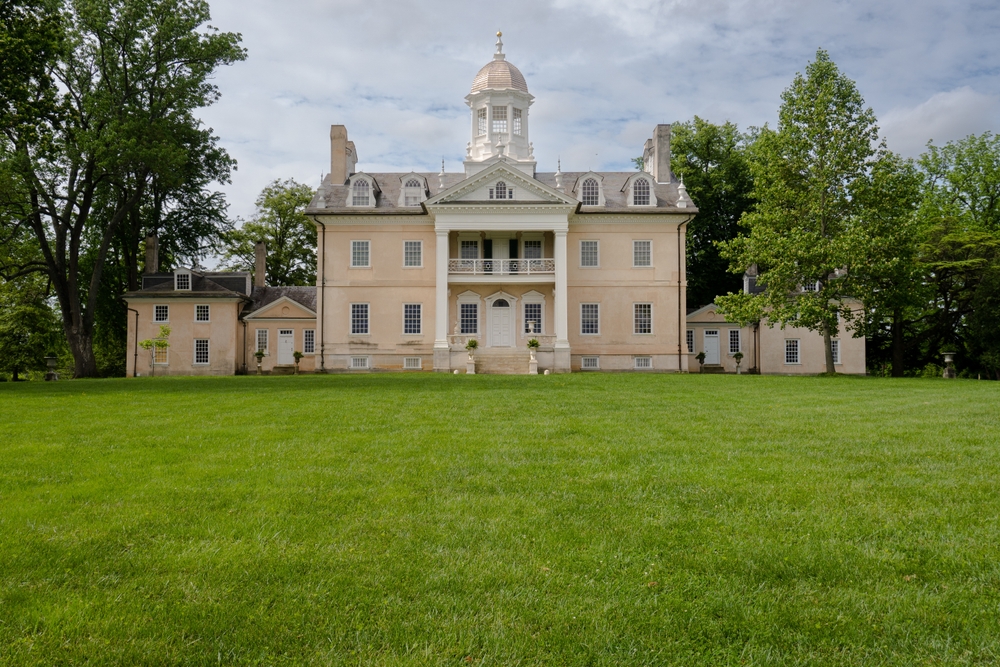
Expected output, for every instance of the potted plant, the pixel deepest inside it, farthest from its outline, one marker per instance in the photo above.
(298, 357)
(701, 361)
(260, 357)
(471, 347)
(738, 357)
(533, 346)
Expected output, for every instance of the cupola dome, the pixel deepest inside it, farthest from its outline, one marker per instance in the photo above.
(498, 74)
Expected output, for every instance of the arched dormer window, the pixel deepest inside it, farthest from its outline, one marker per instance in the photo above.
(413, 193)
(501, 191)
(590, 193)
(640, 192)
(361, 193)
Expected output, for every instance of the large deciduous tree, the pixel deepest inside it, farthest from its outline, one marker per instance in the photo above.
(806, 173)
(712, 161)
(281, 223)
(109, 109)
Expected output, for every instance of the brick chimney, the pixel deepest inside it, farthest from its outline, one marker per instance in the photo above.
(152, 255)
(260, 264)
(343, 155)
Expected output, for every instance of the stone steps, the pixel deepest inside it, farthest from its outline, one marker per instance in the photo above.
(502, 363)
(283, 370)
(713, 368)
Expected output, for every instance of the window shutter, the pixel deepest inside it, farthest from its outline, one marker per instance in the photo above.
(488, 249)
(513, 249)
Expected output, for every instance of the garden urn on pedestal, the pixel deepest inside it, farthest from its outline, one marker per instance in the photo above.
(949, 366)
(50, 363)
(738, 357)
(701, 362)
(260, 357)
(470, 365)
(298, 357)
(533, 345)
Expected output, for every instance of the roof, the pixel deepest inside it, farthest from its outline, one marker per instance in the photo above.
(220, 284)
(387, 201)
(499, 75)
(261, 297)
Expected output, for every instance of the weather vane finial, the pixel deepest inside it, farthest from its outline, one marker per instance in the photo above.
(499, 53)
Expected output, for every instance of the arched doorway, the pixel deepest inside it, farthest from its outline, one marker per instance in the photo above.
(502, 324)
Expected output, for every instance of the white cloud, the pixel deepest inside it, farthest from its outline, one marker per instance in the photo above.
(944, 117)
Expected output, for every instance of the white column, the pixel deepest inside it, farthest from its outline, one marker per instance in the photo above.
(561, 302)
(441, 350)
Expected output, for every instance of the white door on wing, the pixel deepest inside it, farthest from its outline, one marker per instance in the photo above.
(286, 347)
(712, 346)
(501, 320)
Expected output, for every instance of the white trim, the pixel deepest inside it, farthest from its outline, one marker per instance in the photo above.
(591, 303)
(630, 189)
(208, 352)
(466, 298)
(190, 280)
(161, 305)
(373, 190)
(267, 341)
(368, 318)
(166, 352)
(837, 351)
(401, 201)
(512, 306)
(798, 352)
(256, 314)
(351, 264)
(642, 362)
(413, 363)
(596, 362)
(199, 305)
(578, 189)
(421, 246)
(304, 331)
(642, 266)
(500, 170)
(359, 362)
(729, 341)
(532, 297)
(420, 322)
(651, 331)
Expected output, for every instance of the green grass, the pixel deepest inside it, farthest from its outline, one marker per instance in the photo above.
(439, 520)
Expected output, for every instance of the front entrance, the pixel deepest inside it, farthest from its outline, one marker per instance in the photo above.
(286, 347)
(501, 326)
(712, 347)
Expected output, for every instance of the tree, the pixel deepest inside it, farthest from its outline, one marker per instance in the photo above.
(280, 222)
(29, 328)
(890, 281)
(806, 174)
(711, 159)
(131, 76)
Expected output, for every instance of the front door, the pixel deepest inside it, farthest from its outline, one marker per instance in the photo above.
(501, 324)
(286, 347)
(712, 347)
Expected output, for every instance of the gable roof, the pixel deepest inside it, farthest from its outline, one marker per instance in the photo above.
(264, 297)
(204, 284)
(511, 175)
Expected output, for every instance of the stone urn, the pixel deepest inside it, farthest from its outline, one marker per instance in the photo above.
(50, 364)
(949, 366)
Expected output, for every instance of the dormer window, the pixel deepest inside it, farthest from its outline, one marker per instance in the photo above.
(501, 191)
(413, 193)
(640, 192)
(590, 192)
(182, 281)
(361, 193)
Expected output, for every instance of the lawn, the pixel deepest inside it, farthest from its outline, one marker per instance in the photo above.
(578, 519)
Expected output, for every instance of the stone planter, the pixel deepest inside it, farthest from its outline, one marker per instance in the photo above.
(50, 364)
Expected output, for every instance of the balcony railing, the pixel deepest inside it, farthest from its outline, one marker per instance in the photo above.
(501, 267)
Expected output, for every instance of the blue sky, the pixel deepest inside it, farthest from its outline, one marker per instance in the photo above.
(603, 73)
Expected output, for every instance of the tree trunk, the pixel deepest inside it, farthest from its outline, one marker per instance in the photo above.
(897, 343)
(829, 350)
(81, 345)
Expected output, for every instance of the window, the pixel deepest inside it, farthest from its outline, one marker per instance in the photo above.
(690, 341)
(412, 364)
(182, 282)
(501, 191)
(533, 318)
(791, 351)
(590, 318)
(590, 363)
(640, 192)
(161, 313)
(642, 253)
(359, 363)
(160, 356)
(361, 195)
(469, 318)
(359, 319)
(469, 250)
(591, 192)
(589, 253)
(201, 313)
(499, 120)
(835, 348)
(642, 318)
(481, 124)
(413, 253)
(200, 351)
(309, 341)
(643, 363)
(811, 286)
(533, 249)
(411, 319)
(262, 340)
(412, 193)
(517, 122)
(360, 254)
(734, 341)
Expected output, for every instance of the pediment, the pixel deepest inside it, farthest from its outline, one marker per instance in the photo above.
(283, 308)
(475, 189)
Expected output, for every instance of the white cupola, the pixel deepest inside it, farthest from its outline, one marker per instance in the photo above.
(499, 102)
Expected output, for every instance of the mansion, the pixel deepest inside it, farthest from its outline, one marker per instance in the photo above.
(412, 266)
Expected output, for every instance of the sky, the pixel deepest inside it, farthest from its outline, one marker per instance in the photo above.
(603, 73)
